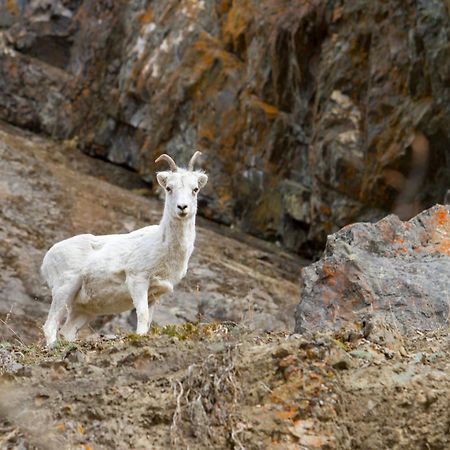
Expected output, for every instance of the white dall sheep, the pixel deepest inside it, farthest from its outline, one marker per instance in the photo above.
(94, 275)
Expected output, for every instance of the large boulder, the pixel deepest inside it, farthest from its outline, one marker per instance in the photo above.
(394, 271)
(312, 115)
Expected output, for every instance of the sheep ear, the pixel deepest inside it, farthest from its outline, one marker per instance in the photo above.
(162, 178)
(202, 180)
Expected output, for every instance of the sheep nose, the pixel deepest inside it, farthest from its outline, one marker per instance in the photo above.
(182, 207)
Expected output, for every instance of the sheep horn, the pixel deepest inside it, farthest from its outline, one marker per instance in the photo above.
(167, 158)
(192, 161)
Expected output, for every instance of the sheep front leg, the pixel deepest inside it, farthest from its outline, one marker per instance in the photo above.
(138, 288)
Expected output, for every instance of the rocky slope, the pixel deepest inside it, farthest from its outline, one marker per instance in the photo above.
(312, 114)
(197, 385)
(49, 191)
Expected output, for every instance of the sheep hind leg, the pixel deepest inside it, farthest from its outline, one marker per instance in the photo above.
(161, 287)
(157, 288)
(62, 296)
(74, 322)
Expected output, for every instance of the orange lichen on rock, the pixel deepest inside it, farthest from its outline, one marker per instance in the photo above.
(324, 209)
(206, 51)
(146, 16)
(440, 236)
(212, 46)
(400, 248)
(205, 132)
(328, 270)
(270, 110)
(238, 19)
(289, 413)
(442, 218)
(12, 7)
(444, 247)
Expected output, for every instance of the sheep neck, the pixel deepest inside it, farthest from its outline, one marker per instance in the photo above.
(178, 235)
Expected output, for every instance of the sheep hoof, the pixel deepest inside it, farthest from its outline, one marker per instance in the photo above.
(52, 345)
(141, 332)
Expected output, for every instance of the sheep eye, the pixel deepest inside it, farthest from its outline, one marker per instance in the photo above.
(168, 189)
(195, 190)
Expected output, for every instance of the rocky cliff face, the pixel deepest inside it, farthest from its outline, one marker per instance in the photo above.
(312, 114)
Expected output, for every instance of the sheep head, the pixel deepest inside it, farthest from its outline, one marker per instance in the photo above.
(181, 187)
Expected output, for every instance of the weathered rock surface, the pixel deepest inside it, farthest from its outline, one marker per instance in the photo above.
(393, 271)
(312, 114)
(47, 195)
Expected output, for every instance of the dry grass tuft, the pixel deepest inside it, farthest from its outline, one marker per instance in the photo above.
(207, 398)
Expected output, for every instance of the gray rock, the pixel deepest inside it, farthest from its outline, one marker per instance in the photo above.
(8, 363)
(392, 271)
(75, 356)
